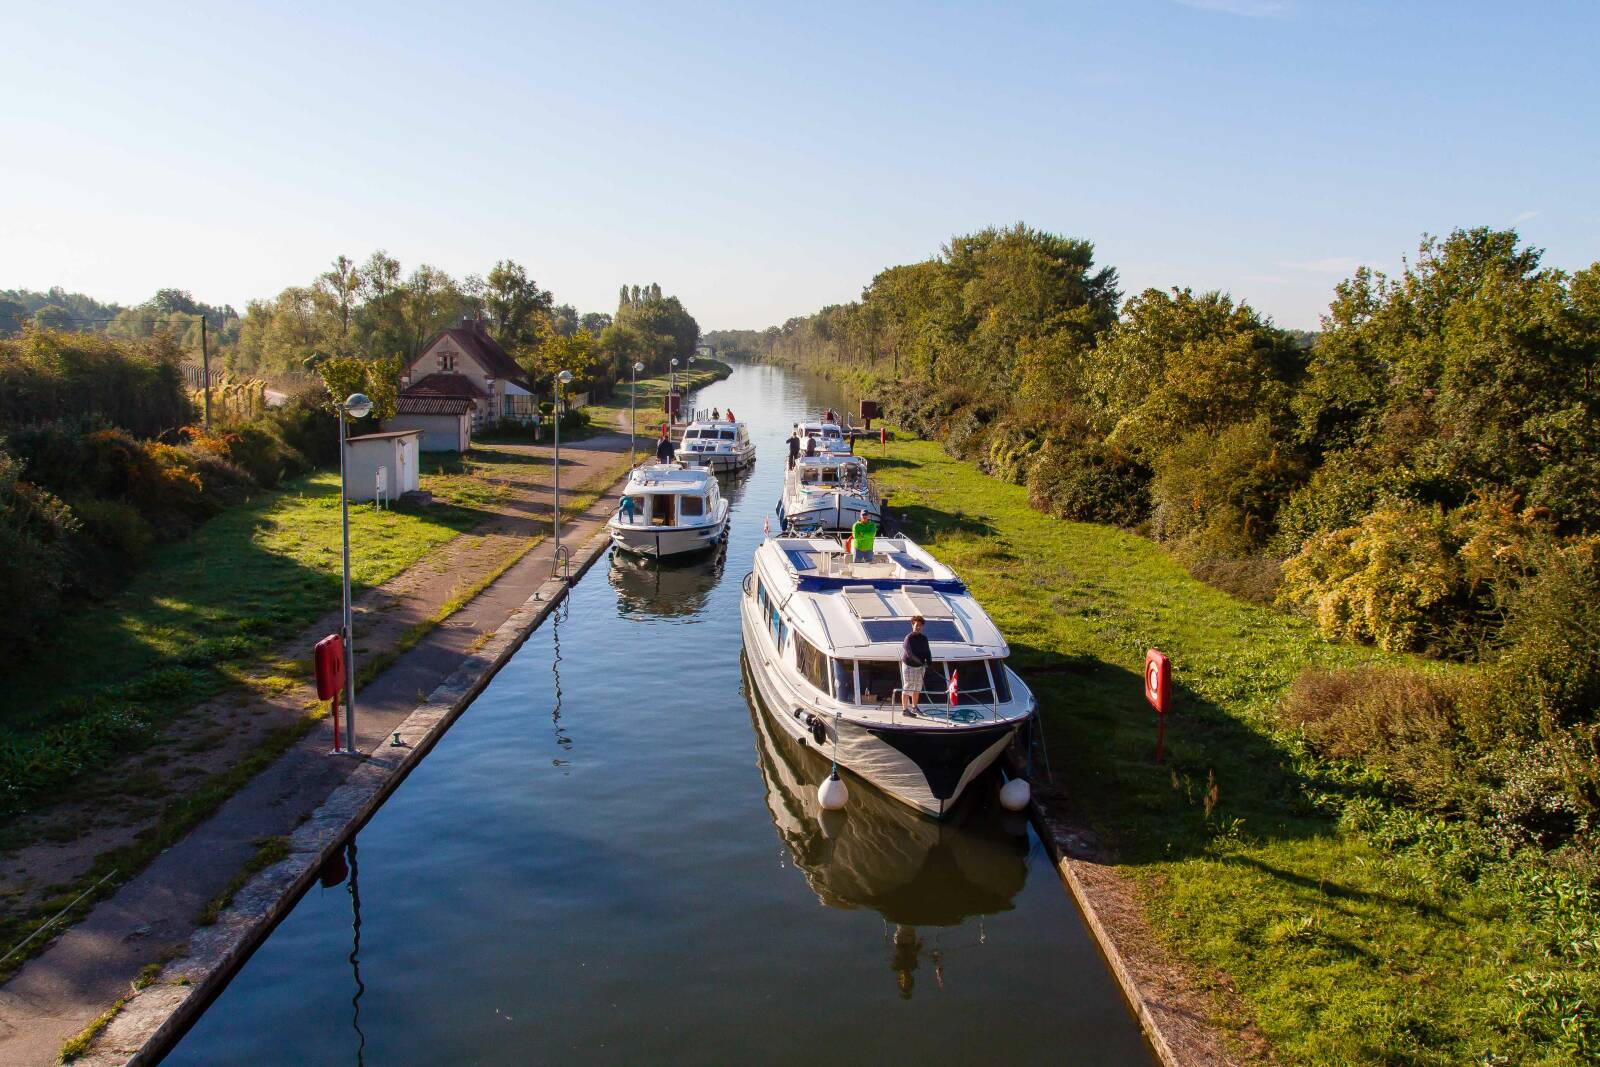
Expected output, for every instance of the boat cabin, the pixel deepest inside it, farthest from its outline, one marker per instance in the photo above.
(831, 472)
(830, 438)
(668, 495)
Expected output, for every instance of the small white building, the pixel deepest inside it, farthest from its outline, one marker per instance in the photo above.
(392, 460)
(445, 421)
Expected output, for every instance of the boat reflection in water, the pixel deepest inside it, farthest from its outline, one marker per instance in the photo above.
(914, 871)
(664, 589)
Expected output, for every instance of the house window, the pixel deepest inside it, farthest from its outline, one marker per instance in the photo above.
(447, 361)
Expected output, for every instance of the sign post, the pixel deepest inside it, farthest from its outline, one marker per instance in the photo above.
(1158, 691)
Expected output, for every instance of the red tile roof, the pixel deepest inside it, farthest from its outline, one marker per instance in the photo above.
(474, 340)
(442, 384)
(409, 404)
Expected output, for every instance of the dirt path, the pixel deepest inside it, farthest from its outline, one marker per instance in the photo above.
(90, 966)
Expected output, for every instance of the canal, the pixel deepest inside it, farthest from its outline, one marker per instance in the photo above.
(610, 859)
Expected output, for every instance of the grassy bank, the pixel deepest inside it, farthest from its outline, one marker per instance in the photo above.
(201, 614)
(652, 396)
(1353, 930)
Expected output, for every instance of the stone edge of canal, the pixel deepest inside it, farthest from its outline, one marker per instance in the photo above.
(154, 1018)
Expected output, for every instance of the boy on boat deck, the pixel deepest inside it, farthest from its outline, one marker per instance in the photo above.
(914, 658)
(862, 536)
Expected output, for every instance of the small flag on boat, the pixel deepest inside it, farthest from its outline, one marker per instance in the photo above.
(952, 689)
(766, 526)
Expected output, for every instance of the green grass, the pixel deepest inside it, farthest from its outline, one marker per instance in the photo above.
(652, 397)
(1345, 945)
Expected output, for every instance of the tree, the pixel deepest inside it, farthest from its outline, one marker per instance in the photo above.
(12, 316)
(514, 303)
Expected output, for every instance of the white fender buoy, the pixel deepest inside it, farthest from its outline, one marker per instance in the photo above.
(1014, 795)
(833, 794)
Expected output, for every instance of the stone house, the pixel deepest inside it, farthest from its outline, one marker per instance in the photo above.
(465, 362)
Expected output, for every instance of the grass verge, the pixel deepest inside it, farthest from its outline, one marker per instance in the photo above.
(1353, 930)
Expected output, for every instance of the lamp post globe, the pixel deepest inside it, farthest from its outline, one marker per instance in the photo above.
(358, 405)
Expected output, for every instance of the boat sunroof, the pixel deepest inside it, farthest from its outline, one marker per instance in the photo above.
(867, 603)
(896, 629)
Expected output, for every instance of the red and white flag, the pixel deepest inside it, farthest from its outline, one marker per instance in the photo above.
(766, 526)
(952, 689)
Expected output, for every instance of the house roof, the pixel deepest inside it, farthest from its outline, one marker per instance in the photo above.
(474, 340)
(387, 435)
(443, 384)
(432, 405)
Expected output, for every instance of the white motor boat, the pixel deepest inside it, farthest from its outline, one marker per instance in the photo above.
(822, 638)
(717, 444)
(827, 492)
(829, 435)
(668, 509)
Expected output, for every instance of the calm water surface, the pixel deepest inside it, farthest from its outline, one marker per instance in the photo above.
(610, 859)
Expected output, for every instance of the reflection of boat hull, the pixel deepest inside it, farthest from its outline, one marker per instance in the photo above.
(926, 767)
(662, 589)
(662, 542)
(879, 853)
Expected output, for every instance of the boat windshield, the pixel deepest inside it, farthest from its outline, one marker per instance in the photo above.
(978, 681)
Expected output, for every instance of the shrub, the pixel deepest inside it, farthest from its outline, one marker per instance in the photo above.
(1089, 483)
(309, 432)
(115, 527)
(1394, 579)
(1547, 671)
(1342, 490)
(1218, 492)
(251, 447)
(35, 531)
(1399, 721)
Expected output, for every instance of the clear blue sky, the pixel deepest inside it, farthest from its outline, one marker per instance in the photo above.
(764, 160)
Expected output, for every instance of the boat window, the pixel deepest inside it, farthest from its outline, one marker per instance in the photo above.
(1002, 686)
(879, 679)
(691, 507)
(690, 435)
(663, 514)
(639, 509)
(972, 683)
(726, 435)
(812, 663)
(761, 596)
(844, 680)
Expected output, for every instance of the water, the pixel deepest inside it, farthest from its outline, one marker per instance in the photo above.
(609, 859)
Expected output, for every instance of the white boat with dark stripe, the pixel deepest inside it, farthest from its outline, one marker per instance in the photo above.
(827, 493)
(822, 638)
(668, 509)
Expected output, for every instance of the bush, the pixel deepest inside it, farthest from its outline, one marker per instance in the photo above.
(1090, 483)
(252, 448)
(1341, 491)
(1547, 671)
(35, 532)
(1401, 722)
(1218, 492)
(1394, 579)
(115, 527)
(308, 430)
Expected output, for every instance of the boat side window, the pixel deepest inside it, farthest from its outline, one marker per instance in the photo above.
(662, 512)
(1002, 687)
(726, 435)
(641, 505)
(761, 596)
(972, 682)
(690, 435)
(844, 680)
(812, 663)
(879, 680)
(691, 507)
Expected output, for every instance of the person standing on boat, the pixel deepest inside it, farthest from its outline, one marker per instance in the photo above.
(915, 655)
(794, 445)
(811, 445)
(862, 535)
(716, 413)
(665, 449)
(730, 414)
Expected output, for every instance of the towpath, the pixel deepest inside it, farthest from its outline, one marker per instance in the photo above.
(415, 630)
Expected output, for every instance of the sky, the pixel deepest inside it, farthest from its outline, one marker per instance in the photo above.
(764, 160)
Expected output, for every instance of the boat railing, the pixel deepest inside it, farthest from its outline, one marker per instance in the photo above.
(964, 712)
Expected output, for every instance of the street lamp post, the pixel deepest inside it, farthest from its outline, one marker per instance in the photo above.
(561, 379)
(633, 411)
(356, 406)
(672, 394)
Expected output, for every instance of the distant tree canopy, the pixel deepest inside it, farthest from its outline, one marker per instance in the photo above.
(46, 375)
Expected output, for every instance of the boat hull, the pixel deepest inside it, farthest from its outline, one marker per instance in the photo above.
(838, 515)
(927, 768)
(663, 542)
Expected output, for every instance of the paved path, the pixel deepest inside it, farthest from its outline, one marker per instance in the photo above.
(87, 969)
